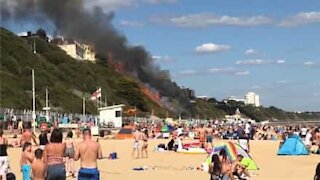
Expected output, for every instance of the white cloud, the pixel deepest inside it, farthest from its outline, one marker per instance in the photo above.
(211, 48)
(300, 19)
(162, 58)
(259, 62)
(242, 73)
(251, 52)
(312, 64)
(209, 19)
(309, 63)
(217, 71)
(127, 23)
(188, 72)
(252, 62)
(282, 82)
(280, 61)
(228, 71)
(221, 70)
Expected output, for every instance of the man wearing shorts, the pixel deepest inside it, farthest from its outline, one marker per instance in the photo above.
(88, 151)
(209, 136)
(138, 142)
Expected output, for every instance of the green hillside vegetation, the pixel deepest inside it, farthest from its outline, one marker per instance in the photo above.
(68, 80)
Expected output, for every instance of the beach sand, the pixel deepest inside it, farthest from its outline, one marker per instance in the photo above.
(171, 165)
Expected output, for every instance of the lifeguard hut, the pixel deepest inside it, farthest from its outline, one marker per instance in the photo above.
(111, 114)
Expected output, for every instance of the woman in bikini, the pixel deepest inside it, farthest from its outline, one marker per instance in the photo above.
(145, 143)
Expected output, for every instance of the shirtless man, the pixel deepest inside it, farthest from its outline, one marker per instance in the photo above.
(209, 136)
(202, 136)
(27, 135)
(138, 142)
(38, 166)
(26, 160)
(88, 151)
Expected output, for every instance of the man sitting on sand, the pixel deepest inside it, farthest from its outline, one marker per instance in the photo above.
(88, 151)
(239, 169)
(38, 166)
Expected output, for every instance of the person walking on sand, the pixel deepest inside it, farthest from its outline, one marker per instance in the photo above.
(4, 161)
(88, 151)
(209, 137)
(43, 139)
(53, 156)
(69, 154)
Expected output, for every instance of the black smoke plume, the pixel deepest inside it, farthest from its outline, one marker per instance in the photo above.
(72, 19)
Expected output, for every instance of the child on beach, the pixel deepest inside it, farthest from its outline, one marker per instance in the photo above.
(38, 166)
(26, 160)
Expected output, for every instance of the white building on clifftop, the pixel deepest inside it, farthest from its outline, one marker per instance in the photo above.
(252, 98)
(76, 50)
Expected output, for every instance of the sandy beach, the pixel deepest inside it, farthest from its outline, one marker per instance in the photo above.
(171, 165)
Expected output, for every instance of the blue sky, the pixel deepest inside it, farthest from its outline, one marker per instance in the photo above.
(222, 48)
(226, 47)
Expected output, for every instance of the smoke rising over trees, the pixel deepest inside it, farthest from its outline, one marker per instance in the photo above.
(70, 18)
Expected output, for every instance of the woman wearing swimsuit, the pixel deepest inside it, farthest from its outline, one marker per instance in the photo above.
(69, 154)
(225, 164)
(145, 143)
(53, 156)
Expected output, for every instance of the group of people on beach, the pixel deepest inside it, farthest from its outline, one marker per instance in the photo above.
(222, 168)
(52, 157)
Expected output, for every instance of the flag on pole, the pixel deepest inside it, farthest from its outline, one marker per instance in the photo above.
(96, 95)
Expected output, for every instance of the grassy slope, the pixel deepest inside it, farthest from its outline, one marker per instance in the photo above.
(63, 76)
